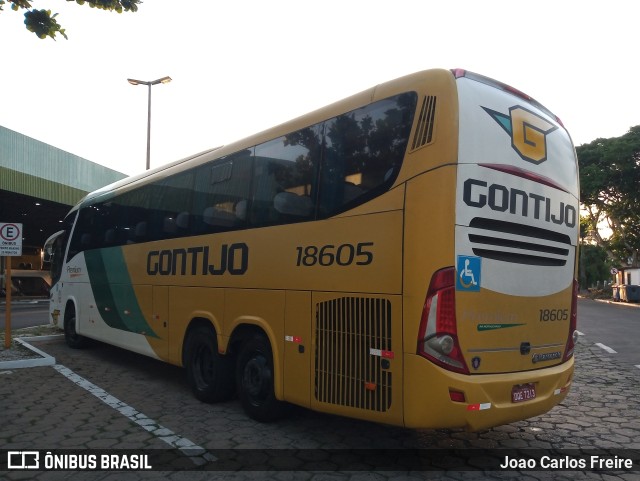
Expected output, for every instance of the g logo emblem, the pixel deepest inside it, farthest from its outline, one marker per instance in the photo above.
(528, 132)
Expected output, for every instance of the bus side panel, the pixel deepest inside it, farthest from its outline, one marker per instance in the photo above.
(186, 304)
(107, 307)
(338, 254)
(428, 242)
(123, 310)
(341, 254)
(297, 348)
(76, 293)
(159, 320)
(357, 366)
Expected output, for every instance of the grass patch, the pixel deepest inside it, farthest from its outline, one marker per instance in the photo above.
(44, 330)
(17, 351)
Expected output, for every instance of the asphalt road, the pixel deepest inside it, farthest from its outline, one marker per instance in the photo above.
(613, 327)
(26, 314)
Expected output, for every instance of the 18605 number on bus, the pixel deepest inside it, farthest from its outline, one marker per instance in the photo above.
(329, 255)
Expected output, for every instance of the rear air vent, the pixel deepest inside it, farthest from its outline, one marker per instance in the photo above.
(426, 123)
(348, 330)
(518, 243)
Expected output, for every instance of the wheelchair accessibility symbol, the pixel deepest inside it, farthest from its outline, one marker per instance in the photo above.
(468, 273)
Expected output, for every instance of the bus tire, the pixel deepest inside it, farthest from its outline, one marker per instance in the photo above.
(254, 380)
(209, 373)
(71, 337)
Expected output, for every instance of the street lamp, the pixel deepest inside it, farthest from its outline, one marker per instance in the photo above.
(163, 80)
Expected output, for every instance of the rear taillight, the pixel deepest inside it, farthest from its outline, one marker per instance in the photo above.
(572, 339)
(438, 334)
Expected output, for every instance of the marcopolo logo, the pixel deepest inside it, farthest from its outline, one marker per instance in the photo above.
(528, 132)
(547, 356)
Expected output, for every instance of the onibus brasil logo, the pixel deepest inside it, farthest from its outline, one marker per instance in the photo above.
(528, 132)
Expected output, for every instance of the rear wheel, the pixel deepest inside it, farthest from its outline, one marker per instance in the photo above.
(254, 379)
(209, 373)
(72, 338)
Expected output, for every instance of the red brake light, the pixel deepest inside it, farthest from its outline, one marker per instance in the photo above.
(457, 396)
(438, 334)
(525, 174)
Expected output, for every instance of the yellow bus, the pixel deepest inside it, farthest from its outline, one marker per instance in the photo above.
(406, 256)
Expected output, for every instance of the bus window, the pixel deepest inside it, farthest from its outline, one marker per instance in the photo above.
(285, 178)
(57, 257)
(54, 247)
(363, 152)
(171, 216)
(221, 193)
(89, 230)
(134, 215)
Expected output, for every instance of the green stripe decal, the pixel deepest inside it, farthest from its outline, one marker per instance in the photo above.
(113, 292)
(493, 327)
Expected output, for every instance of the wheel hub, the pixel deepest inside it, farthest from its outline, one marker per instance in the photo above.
(256, 377)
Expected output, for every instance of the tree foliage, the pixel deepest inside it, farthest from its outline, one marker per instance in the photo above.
(610, 191)
(44, 24)
(594, 265)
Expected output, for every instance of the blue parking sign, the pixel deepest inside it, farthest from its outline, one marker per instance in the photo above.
(469, 273)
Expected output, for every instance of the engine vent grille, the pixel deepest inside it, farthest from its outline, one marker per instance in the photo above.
(518, 243)
(426, 123)
(346, 372)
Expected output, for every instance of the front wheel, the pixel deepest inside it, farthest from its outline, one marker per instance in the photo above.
(254, 379)
(72, 338)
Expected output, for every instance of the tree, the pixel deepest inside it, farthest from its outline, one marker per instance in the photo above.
(594, 265)
(610, 191)
(44, 24)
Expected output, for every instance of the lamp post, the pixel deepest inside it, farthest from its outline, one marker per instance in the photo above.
(163, 80)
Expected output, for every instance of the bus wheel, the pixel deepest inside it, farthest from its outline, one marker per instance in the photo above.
(209, 374)
(72, 338)
(254, 379)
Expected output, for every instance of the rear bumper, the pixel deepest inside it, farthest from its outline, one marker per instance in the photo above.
(427, 403)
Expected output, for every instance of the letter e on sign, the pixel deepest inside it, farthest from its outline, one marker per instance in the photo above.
(10, 239)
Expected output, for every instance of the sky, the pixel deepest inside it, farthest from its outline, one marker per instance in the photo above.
(241, 66)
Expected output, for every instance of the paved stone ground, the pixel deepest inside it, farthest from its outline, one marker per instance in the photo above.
(42, 409)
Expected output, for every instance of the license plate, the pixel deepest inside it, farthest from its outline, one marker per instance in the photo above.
(523, 392)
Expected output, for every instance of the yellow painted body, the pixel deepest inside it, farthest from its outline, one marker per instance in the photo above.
(326, 323)
(427, 403)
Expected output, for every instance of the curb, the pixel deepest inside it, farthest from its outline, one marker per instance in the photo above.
(44, 359)
(618, 303)
(48, 337)
(610, 301)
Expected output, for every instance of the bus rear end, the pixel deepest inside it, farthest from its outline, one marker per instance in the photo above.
(496, 336)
